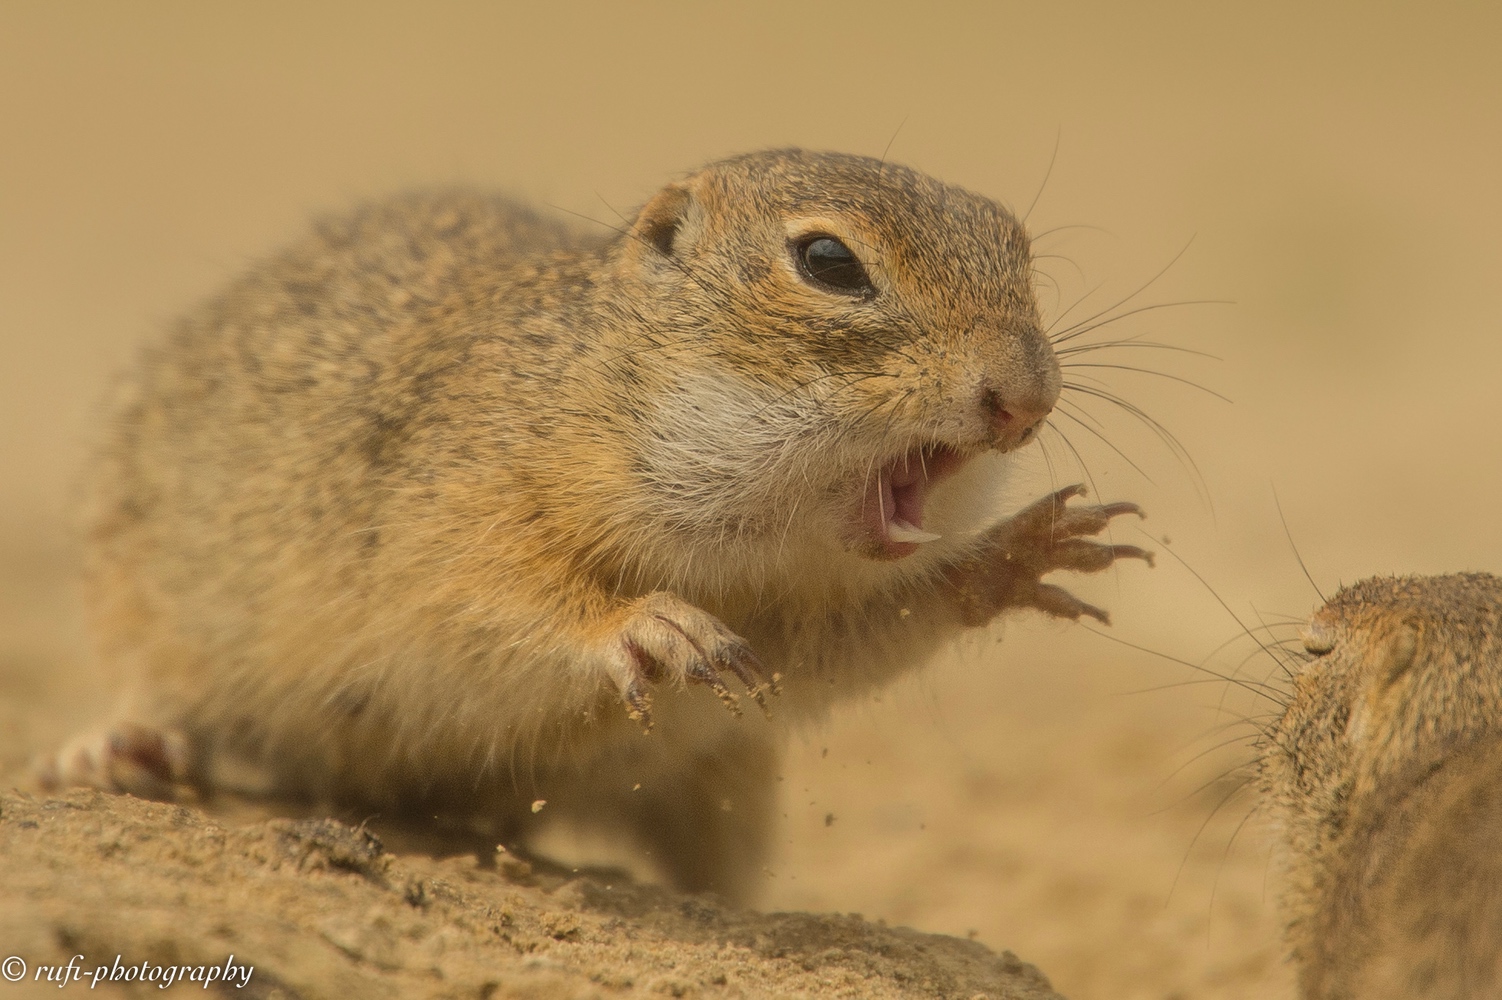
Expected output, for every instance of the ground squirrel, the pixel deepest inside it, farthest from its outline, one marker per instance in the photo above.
(1385, 770)
(441, 508)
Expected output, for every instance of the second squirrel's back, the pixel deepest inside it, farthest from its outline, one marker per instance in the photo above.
(1383, 772)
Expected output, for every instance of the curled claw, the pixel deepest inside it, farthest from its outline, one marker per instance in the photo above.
(1088, 520)
(748, 669)
(734, 656)
(1044, 536)
(1122, 507)
(704, 673)
(1053, 509)
(1084, 556)
(1062, 496)
(1061, 603)
(664, 639)
(638, 704)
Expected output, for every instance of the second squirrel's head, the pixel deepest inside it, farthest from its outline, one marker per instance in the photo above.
(1402, 672)
(830, 325)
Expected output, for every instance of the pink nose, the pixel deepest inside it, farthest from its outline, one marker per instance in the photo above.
(1013, 421)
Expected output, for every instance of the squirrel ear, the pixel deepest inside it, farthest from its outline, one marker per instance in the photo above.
(1389, 662)
(1400, 652)
(658, 222)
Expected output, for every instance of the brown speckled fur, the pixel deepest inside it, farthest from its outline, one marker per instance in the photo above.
(390, 517)
(1386, 774)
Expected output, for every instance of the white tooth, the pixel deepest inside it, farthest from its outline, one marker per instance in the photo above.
(900, 531)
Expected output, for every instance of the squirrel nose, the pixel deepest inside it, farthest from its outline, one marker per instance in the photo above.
(1013, 421)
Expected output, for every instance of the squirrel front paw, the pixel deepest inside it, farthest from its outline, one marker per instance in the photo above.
(1044, 536)
(663, 638)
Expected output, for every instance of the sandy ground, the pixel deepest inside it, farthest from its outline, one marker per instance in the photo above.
(967, 803)
(291, 909)
(1332, 170)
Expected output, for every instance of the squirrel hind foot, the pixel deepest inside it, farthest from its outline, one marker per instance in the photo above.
(127, 757)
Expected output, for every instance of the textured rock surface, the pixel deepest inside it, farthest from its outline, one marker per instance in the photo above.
(320, 909)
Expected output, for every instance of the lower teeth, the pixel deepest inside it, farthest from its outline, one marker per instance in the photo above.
(901, 531)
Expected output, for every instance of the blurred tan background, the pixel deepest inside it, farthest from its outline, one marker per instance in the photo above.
(1334, 170)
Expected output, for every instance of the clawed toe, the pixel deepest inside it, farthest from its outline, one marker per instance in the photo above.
(1084, 556)
(1060, 603)
(668, 639)
(1045, 536)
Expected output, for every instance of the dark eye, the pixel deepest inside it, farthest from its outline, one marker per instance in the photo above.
(829, 263)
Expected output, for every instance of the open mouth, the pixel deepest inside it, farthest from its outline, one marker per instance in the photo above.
(892, 508)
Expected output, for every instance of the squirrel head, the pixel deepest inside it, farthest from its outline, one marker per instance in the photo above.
(1403, 671)
(836, 323)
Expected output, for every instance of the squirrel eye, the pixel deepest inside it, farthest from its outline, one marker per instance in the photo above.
(829, 263)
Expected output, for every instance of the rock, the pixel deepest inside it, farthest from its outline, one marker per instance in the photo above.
(320, 909)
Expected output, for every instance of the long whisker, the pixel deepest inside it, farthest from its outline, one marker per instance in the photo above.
(1076, 303)
(1095, 322)
(1053, 479)
(1066, 227)
(1132, 342)
(1223, 858)
(1163, 434)
(1293, 545)
(1218, 599)
(882, 166)
(1283, 654)
(1261, 649)
(1057, 138)
(1205, 753)
(1148, 371)
(1218, 806)
(1121, 302)
(1079, 271)
(1247, 685)
(1078, 458)
(1059, 408)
